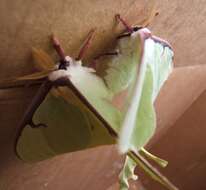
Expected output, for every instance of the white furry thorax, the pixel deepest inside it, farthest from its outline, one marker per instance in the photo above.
(75, 68)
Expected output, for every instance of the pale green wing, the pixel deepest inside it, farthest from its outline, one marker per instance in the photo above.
(100, 92)
(70, 124)
(124, 97)
(160, 57)
(68, 129)
(139, 122)
(64, 122)
(127, 173)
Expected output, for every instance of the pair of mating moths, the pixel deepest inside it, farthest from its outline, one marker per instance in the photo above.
(75, 108)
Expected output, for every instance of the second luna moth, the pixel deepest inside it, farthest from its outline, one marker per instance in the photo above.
(81, 109)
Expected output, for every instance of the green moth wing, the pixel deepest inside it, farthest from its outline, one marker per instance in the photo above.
(68, 129)
(64, 124)
(124, 96)
(70, 124)
(127, 173)
(126, 93)
(155, 67)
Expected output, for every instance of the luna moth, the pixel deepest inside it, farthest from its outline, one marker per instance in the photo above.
(75, 108)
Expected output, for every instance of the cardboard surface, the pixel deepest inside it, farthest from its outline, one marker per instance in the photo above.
(183, 87)
(180, 106)
(184, 147)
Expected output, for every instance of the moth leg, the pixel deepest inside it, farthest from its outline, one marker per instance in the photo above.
(145, 23)
(33, 125)
(106, 54)
(85, 45)
(33, 106)
(19, 84)
(93, 64)
(128, 28)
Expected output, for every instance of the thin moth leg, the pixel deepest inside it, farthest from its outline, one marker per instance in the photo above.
(20, 84)
(33, 125)
(36, 101)
(85, 45)
(106, 54)
(128, 28)
(93, 64)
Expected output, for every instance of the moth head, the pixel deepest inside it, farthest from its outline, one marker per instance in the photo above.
(65, 63)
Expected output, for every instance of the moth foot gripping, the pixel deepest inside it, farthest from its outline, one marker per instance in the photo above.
(33, 125)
